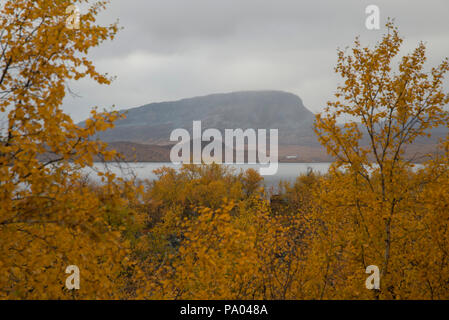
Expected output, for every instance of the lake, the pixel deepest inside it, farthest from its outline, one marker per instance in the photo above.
(144, 170)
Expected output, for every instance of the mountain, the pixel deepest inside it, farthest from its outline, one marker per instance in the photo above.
(145, 133)
(141, 152)
(153, 123)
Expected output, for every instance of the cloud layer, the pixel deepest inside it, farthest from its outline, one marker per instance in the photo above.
(172, 49)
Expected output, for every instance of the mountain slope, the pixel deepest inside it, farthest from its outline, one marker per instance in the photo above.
(145, 133)
(153, 123)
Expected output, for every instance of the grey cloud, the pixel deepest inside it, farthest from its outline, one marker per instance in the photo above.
(171, 49)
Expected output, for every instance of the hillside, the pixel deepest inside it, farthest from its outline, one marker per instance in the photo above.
(153, 123)
(144, 134)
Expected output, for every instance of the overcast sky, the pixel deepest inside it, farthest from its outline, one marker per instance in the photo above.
(173, 49)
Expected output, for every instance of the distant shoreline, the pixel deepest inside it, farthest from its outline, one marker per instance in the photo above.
(168, 162)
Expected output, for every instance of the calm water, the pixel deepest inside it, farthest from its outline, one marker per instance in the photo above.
(144, 170)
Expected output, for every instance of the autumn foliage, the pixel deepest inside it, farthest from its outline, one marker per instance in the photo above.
(205, 231)
(49, 218)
